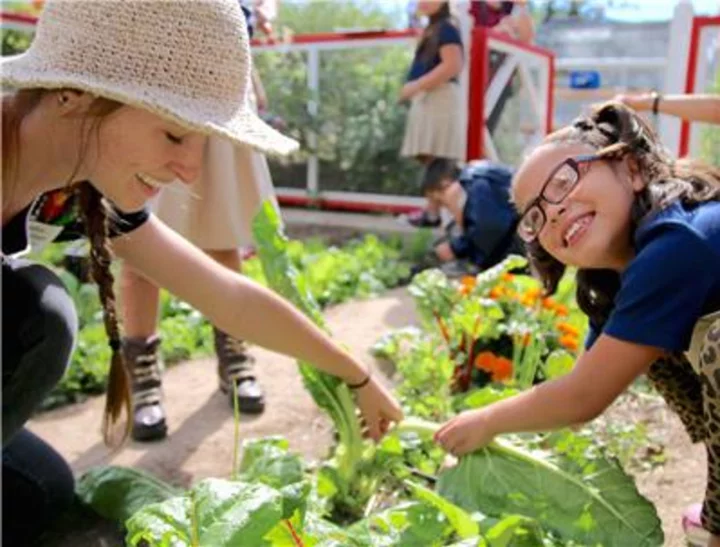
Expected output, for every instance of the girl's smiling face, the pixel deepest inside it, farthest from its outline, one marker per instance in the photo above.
(591, 227)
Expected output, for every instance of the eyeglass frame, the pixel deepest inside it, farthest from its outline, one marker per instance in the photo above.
(574, 162)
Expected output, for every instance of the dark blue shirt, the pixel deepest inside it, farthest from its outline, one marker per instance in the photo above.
(489, 219)
(421, 65)
(673, 280)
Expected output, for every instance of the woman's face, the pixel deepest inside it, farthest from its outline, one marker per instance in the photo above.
(591, 227)
(429, 7)
(136, 153)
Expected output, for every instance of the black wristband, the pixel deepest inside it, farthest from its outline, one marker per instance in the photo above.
(656, 102)
(360, 384)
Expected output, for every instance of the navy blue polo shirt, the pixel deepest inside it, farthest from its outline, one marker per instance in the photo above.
(447, 34)
(673, 280)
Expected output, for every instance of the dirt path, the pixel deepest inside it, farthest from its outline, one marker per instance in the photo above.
(201, 424)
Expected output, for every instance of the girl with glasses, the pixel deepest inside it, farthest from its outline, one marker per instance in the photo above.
(643, 231)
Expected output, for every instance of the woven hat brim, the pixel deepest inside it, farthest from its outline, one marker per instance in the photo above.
(243, 127)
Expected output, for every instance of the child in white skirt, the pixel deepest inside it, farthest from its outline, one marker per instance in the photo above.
(434, 124)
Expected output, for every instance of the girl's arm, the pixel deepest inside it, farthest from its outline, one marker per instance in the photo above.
(451, 64)
(600, 375)
(693, 108)
(244, 309)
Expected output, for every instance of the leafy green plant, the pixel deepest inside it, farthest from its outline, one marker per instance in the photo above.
(596, 505)
(331, 394)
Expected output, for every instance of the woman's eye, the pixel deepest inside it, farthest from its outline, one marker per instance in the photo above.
(172, 138)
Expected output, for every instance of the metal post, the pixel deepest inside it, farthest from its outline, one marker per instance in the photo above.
(675, 74)
(313, 80)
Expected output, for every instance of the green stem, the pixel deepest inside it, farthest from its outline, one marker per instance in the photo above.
(236, 434)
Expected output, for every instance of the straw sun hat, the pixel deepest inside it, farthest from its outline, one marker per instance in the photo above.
(185, 60)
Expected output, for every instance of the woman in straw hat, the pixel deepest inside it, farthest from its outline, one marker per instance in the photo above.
(119, 93)
(214, 214)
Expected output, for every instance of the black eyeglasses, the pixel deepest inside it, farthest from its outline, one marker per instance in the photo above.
(562, 180)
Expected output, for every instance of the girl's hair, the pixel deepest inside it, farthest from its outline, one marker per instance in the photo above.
(616, 132)
(429, 45)
(95, 215)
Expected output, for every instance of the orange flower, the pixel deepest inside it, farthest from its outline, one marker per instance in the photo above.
(503, 369)
(496, 292)
(507, 277)
(568, 329)
(561, 310)
(467, 284)
(526, 339)
(533, 292)
(499, 368)
(569, 341)
(548, 303)
(485, 360)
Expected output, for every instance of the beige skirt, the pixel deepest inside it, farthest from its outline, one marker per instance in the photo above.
(216, 212)
(434, 124)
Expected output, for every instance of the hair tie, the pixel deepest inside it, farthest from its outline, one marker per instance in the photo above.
(114, 344)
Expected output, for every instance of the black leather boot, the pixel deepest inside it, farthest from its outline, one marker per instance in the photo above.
(141, 358)
(235, 365)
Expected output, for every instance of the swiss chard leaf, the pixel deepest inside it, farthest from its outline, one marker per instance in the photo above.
(331, 394)
(214, 512)
(602, 507)
(118, 492)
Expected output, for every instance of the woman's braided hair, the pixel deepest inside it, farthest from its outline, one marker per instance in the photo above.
(95, 215)
(616, 131)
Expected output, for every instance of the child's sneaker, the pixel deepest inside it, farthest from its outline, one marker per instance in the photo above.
(422, 219)
(695, 534)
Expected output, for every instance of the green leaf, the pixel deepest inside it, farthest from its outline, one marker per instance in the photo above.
(329, 392)
(461, 521)
(118, 492)
(268, 461)
(559, 363)
(408, 524)
(514, 531)
(214, 512)
(599, 508)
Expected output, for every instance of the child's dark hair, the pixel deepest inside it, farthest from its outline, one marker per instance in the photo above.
(429, 45)
(616, 131)
(438, 171)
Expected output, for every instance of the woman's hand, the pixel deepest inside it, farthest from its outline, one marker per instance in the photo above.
(378, 408)
(465, 432)
(408, 91)
(638, 101)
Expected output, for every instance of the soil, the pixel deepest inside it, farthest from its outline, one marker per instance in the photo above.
(200, 442)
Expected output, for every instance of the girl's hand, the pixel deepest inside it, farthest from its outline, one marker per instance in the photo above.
(465, 433)
(378, 408)
(407, 92)
(639, 102)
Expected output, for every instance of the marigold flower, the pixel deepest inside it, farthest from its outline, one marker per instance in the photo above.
(485, 360)
(507, 277)
(467, 284)
(496, 292)
(568, 329)
(561, 310)
(499, 368)
(548, 303)
(568, 341)
(503, 369)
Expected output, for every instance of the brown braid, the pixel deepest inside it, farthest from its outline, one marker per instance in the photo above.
(118, 390)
